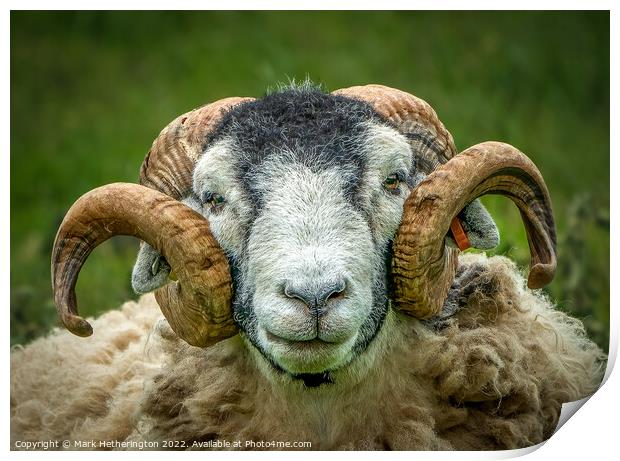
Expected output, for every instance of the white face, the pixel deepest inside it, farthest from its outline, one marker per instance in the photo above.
(308, 243)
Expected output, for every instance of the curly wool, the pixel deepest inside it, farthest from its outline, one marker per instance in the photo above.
(491, 373)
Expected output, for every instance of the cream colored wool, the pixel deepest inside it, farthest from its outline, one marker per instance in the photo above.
(494, 377)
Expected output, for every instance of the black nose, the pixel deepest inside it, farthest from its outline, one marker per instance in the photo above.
(316, 296)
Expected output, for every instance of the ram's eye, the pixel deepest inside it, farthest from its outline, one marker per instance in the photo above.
(214, 201)
(391, 183)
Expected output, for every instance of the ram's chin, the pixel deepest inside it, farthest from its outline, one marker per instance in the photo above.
(314, 356)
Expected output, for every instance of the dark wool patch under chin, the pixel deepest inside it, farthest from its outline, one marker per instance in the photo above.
(314, 379)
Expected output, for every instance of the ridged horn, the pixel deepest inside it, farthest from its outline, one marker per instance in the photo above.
(423, 267)
(169, 164)
(197, 306)
(413, 117)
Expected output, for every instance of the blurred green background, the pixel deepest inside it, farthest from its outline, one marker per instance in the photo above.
(91, 90)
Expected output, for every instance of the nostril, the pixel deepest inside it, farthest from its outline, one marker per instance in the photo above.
(299, 292)
(315, 296)
(335, 291)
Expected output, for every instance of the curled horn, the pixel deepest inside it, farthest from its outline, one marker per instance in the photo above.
(423, 267)
(413, 117)
(197, 306)
(169, 165)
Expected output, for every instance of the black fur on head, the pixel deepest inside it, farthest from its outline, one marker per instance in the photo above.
(320, 129)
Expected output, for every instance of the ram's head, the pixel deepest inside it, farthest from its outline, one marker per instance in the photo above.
(301, 218)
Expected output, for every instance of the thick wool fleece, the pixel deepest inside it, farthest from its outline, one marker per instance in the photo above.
(491, 374)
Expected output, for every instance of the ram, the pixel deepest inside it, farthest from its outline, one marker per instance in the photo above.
(305, 250)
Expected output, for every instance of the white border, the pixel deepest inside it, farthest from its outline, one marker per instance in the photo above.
(590, 435)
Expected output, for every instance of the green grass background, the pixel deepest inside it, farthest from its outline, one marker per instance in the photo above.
(91, 90)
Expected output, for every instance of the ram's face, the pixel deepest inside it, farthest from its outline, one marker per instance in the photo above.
(305, 196)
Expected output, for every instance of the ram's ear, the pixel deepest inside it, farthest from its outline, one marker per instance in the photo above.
(479, 227)
(151, 270)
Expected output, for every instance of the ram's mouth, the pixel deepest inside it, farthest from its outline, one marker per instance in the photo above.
(300, 345)
(307, 357)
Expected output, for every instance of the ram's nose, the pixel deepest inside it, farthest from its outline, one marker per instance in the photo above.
(317, 296)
